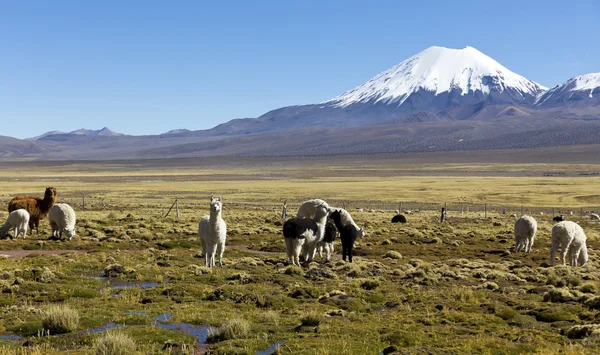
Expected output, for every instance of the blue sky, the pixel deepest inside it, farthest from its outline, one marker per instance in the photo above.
(145, 67)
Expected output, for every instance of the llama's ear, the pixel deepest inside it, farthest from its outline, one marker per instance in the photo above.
(211, 197)
(220, 199)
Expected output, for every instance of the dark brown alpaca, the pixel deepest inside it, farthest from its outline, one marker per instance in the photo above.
(37, 207)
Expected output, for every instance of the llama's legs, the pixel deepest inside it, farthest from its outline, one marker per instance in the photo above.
(220, 250)
(530, 245)
(553, 251)
(563, 254)
(519, 246)
(17, 231)
(350, 248)
(24, 231)
(209, 255)
(203, 246)
(297, 250)
(289, 250)
(574, 256)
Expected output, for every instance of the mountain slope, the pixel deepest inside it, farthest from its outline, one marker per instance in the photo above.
(580, 90)
(78, 135)
(433, 80)
(439, 70)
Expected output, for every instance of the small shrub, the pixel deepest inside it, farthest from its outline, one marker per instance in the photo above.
(269, 317)
(589, 288)
(593, 303)
(369, 284)
(582, 331)
(44, 275)
(506, 313)
(553, 315)
(234, 328)
(311, 320)
(60, 319)
(392, 254)
(558, 295)
(115, 343)
(490, 286)
(293, 270)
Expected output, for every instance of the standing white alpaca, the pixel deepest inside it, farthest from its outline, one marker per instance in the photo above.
(212, 231)
(570, 237)
(525, 229)
(17, 219)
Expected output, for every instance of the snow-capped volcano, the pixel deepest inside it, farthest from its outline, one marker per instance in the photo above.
(439, 71)
(577, 89)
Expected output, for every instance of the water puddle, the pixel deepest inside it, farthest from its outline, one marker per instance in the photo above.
(105, 327)
(162, 317)
(200, 332)
(10, 337)
(117, 284)
(270, 350)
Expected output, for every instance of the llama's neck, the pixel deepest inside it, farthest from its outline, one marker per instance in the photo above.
(321, 226)
(48, 202)
(4, 228)
(215, 217)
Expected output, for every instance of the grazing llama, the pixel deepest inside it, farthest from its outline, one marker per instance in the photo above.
(304, 234)
(212, 231)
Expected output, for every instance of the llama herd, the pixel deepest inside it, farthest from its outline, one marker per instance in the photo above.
(305, 235)
(310, 231)
(27, 211)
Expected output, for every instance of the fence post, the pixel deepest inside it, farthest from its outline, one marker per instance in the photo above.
(83, 198)
(177, 208)
(169, 211)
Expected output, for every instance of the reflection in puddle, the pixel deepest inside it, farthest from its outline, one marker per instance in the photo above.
(9, 336)
(117, 284)
(200, 332)
(270, 350)
(105, 327)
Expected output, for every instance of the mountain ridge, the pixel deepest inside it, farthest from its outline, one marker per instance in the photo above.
(476, 104)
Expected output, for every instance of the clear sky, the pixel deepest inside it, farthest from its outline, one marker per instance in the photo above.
(148, 66)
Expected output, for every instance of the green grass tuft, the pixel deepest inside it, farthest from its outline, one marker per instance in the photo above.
(60, 319)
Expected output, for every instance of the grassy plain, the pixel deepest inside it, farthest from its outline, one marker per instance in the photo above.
(420, 288)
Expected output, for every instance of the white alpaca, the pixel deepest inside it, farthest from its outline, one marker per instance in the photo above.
(62, 220)
(17, 220)
(569, 236)
(212, 231)
(525, 229)
(594, 216)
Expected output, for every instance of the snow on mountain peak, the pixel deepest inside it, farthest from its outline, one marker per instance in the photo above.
(577, 88)
(439, 70)
(586, 82)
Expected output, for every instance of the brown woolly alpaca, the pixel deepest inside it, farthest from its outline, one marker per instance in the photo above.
(37, 207)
